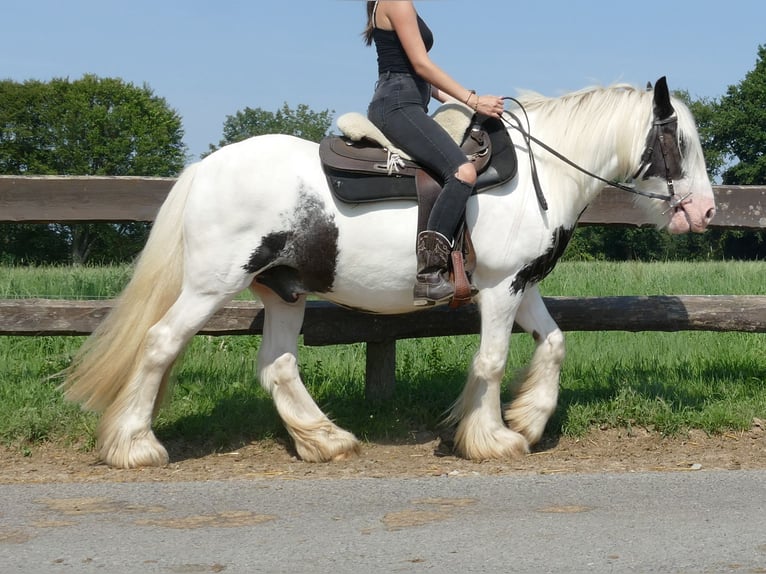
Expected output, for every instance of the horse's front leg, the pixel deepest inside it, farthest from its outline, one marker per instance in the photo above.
(316, 437)
(481, 433)
(536, 388)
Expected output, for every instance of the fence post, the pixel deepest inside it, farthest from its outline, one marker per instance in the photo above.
(380, 375)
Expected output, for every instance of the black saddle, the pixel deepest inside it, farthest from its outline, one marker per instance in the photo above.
(357, 171)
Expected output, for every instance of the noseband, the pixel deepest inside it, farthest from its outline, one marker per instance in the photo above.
(662, 157)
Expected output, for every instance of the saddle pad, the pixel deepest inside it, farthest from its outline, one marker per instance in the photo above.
(454, 118)
(357, 127)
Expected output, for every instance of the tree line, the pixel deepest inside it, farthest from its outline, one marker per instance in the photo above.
(105, 126)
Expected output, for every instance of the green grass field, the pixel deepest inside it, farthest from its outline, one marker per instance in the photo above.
(667, 382)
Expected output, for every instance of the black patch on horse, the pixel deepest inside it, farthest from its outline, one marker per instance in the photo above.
(301, 259)
(267, 252)
(539, 268)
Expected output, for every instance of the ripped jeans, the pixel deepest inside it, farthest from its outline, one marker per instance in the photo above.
(399, 109)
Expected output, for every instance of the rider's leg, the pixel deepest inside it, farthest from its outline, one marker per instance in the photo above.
(449, 207)
(434, 245)
(400, 110)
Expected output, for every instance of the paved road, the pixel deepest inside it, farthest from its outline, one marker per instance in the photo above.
(650, 522)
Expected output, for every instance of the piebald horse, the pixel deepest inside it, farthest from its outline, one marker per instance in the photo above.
(259, 214)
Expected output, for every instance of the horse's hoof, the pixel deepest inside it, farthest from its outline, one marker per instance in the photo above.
(334, 444)
(527, 421)
(347, 455)
(499, 443)
(134, 452)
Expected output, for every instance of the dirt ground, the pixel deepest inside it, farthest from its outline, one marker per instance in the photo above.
(613, 450)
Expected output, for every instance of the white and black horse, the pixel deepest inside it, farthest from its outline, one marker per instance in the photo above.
(259, 214)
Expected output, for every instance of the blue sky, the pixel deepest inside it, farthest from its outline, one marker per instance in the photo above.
(210, 59)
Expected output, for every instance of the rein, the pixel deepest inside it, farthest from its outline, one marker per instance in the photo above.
(671, 197)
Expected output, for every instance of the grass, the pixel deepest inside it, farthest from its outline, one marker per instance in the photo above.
(668, 382)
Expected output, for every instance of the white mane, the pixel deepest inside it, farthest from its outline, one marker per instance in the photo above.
(578, 120)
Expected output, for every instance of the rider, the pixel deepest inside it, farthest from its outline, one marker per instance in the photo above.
(399, 108)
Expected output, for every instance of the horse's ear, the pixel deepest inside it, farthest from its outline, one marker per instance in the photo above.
(662, 106)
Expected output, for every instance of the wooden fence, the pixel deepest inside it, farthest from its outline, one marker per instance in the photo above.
(47, 199)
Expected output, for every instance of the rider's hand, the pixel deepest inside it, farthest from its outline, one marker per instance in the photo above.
(491, 106)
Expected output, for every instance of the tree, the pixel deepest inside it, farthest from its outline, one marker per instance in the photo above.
(739, 127)
(90, 126)
(704, 111)
(301, 122)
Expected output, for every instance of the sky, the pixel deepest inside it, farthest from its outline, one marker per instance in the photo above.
(211, 59)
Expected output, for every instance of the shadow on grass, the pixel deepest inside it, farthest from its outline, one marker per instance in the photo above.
(240, 417)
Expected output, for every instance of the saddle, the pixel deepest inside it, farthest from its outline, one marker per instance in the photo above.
(363, 166)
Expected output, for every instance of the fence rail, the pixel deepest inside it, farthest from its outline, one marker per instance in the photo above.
(745, 313)
(47, 199)
(69, 199)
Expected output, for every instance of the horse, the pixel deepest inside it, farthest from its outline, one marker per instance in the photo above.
(259, 214)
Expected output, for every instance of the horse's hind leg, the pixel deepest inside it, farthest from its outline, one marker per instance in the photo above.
(125, 437)
(536, 387)
(317, 438)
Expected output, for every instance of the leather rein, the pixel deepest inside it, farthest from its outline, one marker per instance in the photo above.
(660, 128)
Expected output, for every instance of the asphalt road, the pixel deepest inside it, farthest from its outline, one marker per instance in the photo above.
(695, 521)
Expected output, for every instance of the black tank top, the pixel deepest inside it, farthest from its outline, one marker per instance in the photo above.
(391, 54)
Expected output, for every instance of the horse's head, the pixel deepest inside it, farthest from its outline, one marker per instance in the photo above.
(673, 165)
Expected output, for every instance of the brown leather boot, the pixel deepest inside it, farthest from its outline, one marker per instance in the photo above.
(432, 284)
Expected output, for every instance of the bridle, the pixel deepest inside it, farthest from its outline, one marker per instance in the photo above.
(661, 157)
(664, 130)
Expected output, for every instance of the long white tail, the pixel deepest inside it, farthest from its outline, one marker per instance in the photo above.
(107, 360)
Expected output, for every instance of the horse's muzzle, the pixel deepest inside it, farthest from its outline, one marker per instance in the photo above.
(693, 214)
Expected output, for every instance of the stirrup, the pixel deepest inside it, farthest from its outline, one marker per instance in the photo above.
(428, 302)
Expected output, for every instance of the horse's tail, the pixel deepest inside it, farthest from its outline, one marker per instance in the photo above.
(107, 361)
